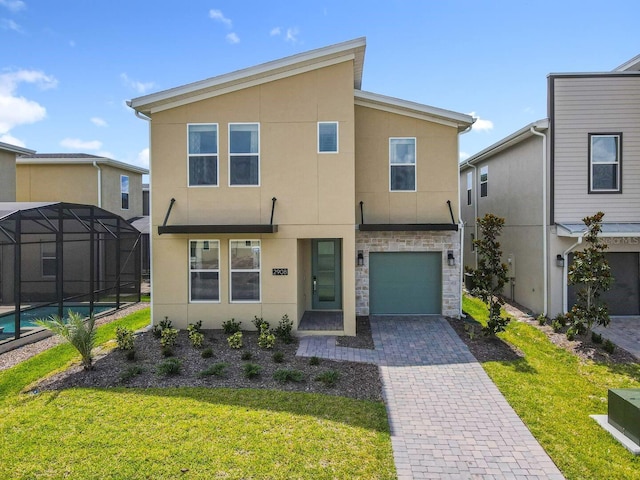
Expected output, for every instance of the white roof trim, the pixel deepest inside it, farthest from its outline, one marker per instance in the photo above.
(609, 230)
(412, 109)
(82, 161)
(266, 72)
(632, 65)
(507, 142)
(15, 149)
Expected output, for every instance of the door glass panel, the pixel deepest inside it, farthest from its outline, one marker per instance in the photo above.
(326, 272)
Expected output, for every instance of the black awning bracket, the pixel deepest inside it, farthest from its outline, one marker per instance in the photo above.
(166, 217)
(273, 207)
(453, 220)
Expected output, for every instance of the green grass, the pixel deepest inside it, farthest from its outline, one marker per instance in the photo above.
(195, 433)
(554, 393)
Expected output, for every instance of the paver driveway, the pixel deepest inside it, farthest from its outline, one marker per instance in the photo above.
(438, 398)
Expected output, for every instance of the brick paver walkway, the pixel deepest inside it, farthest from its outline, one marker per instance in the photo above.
(448, 420)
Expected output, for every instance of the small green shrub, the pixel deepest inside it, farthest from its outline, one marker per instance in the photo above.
(157, 329)
(170, 366)
(207, 353)
(168, 337)
(596, 337)
(608, 346)
(217, 370)
(541, 319)
(278, 357)
(130, 355)
(251, 370)
(125, 338)
(235, 340)
(131, 372)
(471, 331)
(329, 378)
(194, 327)
(556, 325)
(167, 352)
(314, 361)
(283, 330)
(246, 356)
(80, 334)
(571, 333)
(266, 339)
(561, 319)
(257, 321)
(288, 375)
(231, 326)
(197, 339)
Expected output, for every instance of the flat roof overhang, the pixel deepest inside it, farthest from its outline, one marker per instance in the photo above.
(217, 229)
(407, 227)
(608, 229)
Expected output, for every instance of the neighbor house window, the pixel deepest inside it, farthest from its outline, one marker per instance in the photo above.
(327, 137)
(402, 164)
(605, 161)
(473, 245)
(203, 155)
(244, 259)
(484, 181)
(469, 187)
(48, 257)
(204, 271)
(244, 154)
(124, 192)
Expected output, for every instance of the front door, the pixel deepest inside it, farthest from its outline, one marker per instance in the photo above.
(326, 278)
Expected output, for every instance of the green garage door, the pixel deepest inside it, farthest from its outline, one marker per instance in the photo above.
(405, 283)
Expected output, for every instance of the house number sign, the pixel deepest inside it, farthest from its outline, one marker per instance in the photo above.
(280, 271)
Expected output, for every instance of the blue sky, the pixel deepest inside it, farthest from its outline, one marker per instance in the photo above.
(68, 66)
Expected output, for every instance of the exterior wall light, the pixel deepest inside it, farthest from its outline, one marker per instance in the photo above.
(360, 258)
(559, 260)
(451, 260)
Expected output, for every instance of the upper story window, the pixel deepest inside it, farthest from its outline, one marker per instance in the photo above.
(244, 154)
(204, 271)
(469, 188)
(327, 137)
(203, 155)
(484, 181)
(244, 259)
(124, 192)
(605, 162)
(48, 259)
(402, 164)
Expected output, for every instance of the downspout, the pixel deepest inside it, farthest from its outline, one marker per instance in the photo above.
(545, 262)
(461, 223)
(95, 164)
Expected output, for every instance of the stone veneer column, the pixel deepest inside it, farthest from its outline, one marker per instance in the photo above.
(433, 241)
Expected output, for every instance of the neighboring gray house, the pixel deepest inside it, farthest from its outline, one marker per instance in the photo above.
(546, 177)
(8, 154)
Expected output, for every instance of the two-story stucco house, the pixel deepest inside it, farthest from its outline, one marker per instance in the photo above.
(8, 154)
(546, 177)
(80, 178)
(284, 188)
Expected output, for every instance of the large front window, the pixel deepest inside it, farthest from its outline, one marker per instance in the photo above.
(605, 161)
(204, 271)
(402, 164)
(203, 155)
(244, 258)
(244, 154)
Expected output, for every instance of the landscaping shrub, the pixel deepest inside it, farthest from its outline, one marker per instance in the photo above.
(170, 366)
(278, 357)
(130, 355)
(608, 346)
(197, 339)
(251, 370)
(194, 327)
(231, 326)
(258, 321)
(131, 372)
(125, 338)
(164, 324)
(571, 333)
(314, 360)
(217, 370)
(596, 337)
(556, 325)
(288, 375)
(167, 352)
(266, 339)
(541, 319)
(283, 330)
(168, 337)
(329, 378)
(207, 353)
(235, 340)
(246, 356)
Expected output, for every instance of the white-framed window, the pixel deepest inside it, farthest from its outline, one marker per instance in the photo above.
(48, 260)
(244, 154)
(244, 263)
(202, 152)
(204, 271)
(402, 164)
(484, 181)
(124, 192)
(605, 162)
(469, 188)
(327, 137)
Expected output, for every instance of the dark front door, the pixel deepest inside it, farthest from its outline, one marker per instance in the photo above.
(326, 281)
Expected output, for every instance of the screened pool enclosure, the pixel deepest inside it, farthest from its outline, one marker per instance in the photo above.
(56, 257)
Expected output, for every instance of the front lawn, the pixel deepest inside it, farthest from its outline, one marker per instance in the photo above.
(554, 393)
(85, 433)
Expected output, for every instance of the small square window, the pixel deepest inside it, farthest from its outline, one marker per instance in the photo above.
(327, 137)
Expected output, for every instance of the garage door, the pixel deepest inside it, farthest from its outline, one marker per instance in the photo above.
(405, 283)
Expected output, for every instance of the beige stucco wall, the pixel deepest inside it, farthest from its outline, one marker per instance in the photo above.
(7, 176)
(111, 198)
(436, 169)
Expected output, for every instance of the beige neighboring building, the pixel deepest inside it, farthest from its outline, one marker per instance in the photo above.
(8, 154)
(286, 189)
(82, 179)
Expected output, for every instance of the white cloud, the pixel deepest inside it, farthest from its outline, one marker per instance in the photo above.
(139, 87)
(13, 5)
(10, 25)
(77, 144)
(292, 35)
(481, 124)
(11, 140)
(275, 31)
(462, 156)
(99, 122)
(232, 38)
(16, 110)
(143, 157)
(218, 16)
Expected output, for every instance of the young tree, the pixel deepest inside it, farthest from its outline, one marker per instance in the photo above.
(491, 275)
(76, 331)
(590, 270)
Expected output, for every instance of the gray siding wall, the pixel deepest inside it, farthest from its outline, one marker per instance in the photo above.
(599, 104)
(7, 176)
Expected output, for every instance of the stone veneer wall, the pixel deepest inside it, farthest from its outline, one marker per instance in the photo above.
(434, 241)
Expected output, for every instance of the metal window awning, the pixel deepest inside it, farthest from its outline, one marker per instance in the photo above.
(608, 229)
(407, 227)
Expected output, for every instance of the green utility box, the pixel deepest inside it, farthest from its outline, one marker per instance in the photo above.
(624, 412)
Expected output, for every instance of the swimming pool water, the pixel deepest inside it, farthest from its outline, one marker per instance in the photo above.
(26, 317)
